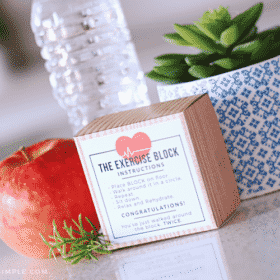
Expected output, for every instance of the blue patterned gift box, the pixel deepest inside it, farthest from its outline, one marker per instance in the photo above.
(247, 104)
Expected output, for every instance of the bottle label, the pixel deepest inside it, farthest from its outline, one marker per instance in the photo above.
(144, 181)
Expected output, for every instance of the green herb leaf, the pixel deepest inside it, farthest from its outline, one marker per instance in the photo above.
(45, 241)
(80, 247)
(213, 23)
(170, 59)
(74, 256)
(93, 226)
(193, 35)
(78, 259)
(176, 39)
(56, 233)
(100, 251)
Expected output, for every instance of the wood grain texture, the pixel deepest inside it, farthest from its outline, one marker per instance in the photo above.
(213, 159)
(139, 114)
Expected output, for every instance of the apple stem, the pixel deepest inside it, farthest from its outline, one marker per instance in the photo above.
(22, 150)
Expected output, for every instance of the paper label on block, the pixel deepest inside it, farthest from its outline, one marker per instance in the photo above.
(143, 181)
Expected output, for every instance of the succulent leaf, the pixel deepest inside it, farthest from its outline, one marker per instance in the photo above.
(246, 48)
(267, 49)
(194, 59)
(247, 20)
(225, 45)
(193, 35)
(173, 71)
(203, 58)
(274, 51)
(162, 79)
(185, 77)
(252, 35)
(176, 39)
(4, 30)
(275, 32)
(201, 71)
(229, 63)
(230, 35)
(170, 59)
(213, 23)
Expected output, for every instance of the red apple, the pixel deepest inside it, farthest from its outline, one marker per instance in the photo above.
(39, 184)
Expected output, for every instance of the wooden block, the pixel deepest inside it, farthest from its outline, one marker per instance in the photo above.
(159, 171)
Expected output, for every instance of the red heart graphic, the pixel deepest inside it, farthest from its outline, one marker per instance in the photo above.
(137, 146)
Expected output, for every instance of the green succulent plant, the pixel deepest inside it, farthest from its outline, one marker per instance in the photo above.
(4, 30)
(225, 44)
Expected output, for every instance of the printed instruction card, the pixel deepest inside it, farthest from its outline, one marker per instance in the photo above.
(143, 181)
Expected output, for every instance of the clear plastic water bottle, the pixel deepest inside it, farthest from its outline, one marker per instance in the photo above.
(88, 51)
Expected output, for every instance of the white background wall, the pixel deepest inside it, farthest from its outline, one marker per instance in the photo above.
(29, 113)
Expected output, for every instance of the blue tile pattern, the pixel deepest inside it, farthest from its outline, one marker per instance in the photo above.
(247, 104)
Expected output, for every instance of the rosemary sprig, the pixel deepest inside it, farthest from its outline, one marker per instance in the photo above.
(81, 248)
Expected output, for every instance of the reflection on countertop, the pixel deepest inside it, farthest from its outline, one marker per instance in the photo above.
(246, 247)
(198, 257)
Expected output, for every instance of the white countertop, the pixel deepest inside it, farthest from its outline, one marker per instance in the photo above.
(246, 247)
